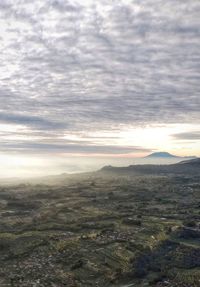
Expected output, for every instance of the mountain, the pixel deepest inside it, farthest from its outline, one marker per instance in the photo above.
(164, 158)
(161, 155)
(167, 155)
(187, 167)
(192, 162)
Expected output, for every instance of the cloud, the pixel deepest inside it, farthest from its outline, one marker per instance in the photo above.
(95, 65)
(30, 121)
(189, 136)
(70, 147)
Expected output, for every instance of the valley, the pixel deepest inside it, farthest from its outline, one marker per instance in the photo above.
(101, 230)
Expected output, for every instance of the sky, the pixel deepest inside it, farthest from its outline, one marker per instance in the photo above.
(86, 83)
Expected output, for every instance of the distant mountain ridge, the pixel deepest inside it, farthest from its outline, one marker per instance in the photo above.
(160, 155)
(187, 167)
(166, 155)
(195, 161)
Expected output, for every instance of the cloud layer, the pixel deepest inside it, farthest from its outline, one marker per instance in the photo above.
(72, 66)
(188, 136)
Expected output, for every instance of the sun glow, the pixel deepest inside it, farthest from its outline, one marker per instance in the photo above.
(23, 161)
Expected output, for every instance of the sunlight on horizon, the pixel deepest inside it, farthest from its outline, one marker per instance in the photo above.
(29, 163)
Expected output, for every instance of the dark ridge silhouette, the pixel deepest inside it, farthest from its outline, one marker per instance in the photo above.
(192, 162)
(184, 167)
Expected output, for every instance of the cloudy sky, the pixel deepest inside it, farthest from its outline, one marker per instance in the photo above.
(87, 82)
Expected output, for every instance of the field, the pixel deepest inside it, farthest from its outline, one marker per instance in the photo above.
(97, 230)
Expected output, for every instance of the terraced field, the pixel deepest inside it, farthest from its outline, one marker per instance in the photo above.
(97, 230)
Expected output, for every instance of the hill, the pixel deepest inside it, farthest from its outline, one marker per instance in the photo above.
(185, 167)
(193, 162)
